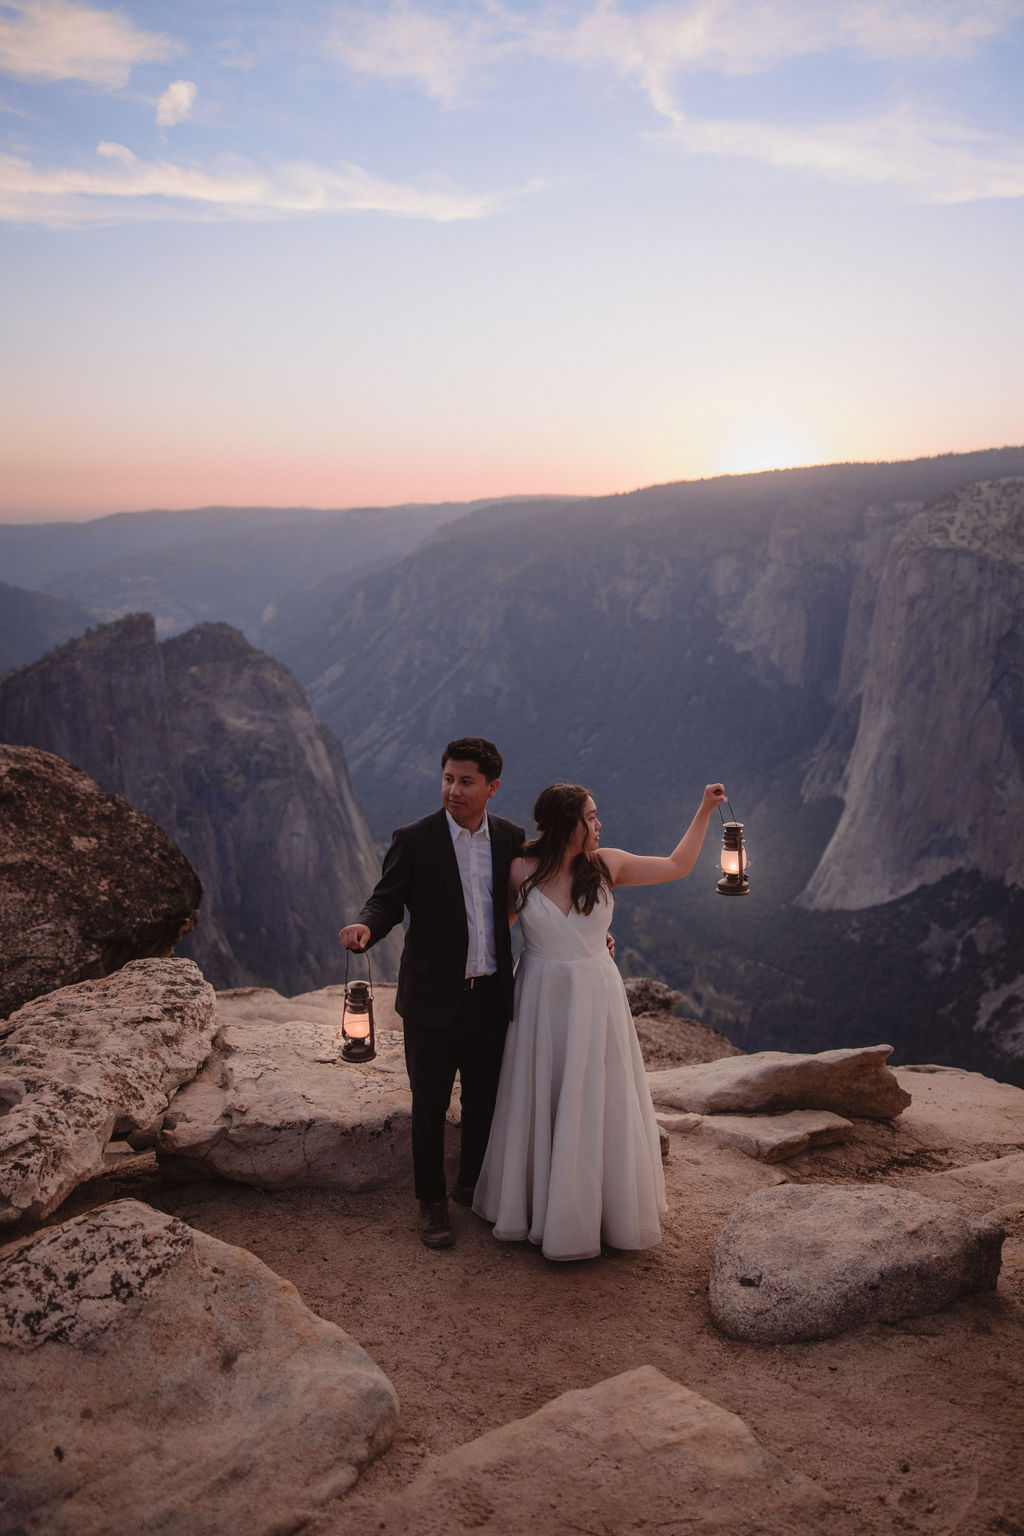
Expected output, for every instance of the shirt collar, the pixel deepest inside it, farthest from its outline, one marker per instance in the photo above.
(483, 830)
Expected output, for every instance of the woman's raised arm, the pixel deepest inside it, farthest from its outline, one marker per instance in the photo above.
(650, 869)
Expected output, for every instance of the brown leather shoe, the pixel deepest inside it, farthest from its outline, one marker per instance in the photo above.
(435, 1228)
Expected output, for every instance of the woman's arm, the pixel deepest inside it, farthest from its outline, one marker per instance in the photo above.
(648, 869)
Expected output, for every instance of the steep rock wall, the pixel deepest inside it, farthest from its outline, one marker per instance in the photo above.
(935, 782)
(216, 741)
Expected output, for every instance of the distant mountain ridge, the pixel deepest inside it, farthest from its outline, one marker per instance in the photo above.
(230, 564)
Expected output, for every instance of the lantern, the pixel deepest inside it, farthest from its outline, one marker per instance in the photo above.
(734, 881)
(358, 1038)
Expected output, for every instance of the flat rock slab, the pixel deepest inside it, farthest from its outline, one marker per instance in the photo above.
(156, 1380)
(637, 1452)
(89, 1062)
(988, 1186)
(854, 1083)
(773, 1138)
(276, 1107)
(810, 1262)
(954, 1107)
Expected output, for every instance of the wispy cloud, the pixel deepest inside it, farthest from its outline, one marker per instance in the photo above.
(736, 37)
(130, 189)
(443, 53)
(444, 48)
(58, 40)
(662, 47)
(176, 103)
(937, 160)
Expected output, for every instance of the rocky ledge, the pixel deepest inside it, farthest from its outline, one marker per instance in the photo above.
(89, 1063)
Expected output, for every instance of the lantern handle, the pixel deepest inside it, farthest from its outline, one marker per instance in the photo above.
(348, 957)
(732, 813)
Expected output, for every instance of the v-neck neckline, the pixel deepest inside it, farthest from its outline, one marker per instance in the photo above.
(554, 904)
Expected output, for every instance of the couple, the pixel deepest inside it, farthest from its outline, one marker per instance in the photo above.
(559, 1140)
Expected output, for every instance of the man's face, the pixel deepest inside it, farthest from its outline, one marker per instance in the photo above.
(465, 792)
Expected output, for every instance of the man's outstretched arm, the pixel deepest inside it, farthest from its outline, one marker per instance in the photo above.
(385, 906)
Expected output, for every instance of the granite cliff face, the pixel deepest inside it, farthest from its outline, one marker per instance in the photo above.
(935, 782)
(216, 742)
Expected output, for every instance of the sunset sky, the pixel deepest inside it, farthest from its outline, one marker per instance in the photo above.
(333, 254)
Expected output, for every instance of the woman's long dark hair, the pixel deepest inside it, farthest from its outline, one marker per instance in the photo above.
(558, 812)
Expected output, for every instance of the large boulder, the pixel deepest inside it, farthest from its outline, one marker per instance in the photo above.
(848, 1082)
(156, 1380)
(637, 1452)
(86, 882)
(277, 1107)
(809, 1262)
(90, 1062)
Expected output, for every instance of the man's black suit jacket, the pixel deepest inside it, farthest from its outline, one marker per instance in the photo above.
(420, 874)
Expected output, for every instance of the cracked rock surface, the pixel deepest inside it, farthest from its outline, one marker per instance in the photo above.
(87, 1062)
(158, 1380)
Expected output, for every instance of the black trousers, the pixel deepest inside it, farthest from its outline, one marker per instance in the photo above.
(471, 1045)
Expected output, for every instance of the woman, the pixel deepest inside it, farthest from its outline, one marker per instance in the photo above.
(574, 1154)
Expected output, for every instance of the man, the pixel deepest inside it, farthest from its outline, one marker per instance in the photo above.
(450, 872)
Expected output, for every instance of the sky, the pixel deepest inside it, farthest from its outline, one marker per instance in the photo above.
(338, 254)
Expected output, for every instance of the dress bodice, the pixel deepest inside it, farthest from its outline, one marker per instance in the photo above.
(552, 935)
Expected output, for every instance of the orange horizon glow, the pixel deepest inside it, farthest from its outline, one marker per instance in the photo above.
(61, 494)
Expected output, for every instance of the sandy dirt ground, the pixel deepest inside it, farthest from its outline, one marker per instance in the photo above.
(916, 1427)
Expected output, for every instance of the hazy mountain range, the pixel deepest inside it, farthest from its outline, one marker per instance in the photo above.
(230, 564)
(844, 646)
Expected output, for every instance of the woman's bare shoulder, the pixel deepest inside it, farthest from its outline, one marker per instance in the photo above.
(613, 860)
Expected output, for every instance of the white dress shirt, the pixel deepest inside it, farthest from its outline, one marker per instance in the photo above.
(473, 855)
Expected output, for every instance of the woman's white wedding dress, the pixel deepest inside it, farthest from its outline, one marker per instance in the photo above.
(574, 1157)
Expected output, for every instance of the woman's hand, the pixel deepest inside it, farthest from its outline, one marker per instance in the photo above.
(714, 794)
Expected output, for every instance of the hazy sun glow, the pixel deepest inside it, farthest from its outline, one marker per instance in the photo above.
(747, 453)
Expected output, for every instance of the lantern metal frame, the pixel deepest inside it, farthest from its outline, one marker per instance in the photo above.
(737, 884)
(358, 1000)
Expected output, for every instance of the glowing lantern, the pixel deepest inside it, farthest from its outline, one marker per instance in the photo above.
(358, 1037)
(734, 881)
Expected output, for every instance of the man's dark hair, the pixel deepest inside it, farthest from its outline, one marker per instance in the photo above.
(475, 749)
